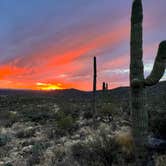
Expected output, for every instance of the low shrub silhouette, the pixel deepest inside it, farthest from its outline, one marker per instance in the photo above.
(100, 151)
(65, 123)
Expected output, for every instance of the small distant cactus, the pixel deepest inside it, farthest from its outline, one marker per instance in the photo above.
(94, 74)
(104, 86)
(138, 82)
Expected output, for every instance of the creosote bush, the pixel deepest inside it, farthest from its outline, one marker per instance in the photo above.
(25, 133)
(158, 124)
(100, 151)
(7, 118)
(37, 152)
(88, 114)
(65, 122)
(105, 149)
(70, 108)
(40, 116)
(108, 109)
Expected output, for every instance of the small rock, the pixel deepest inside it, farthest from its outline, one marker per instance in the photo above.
(27, 149)
(75, 137)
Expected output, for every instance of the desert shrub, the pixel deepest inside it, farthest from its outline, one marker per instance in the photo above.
(61, 128)
(158, 123)
(7, 118)
(25, 133)
(60, 114)
(51, 132)
(38, 148)
(40, 116)
(4, 139)
(8, 164)
(65, 122)
(37, 152)
(88, 114)
(125, 141)
(101, 151)
(70, 108)
(108, 109)
(85, 155)
(105, 149)
(59, 154)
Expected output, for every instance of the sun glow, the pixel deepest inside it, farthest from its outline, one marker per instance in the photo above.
(48, 86)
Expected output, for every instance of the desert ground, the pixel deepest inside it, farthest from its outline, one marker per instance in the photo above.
(56, 128)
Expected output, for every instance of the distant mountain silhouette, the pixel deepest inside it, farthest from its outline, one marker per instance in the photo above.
(121, 93)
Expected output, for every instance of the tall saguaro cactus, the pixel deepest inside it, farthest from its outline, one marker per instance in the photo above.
(94, 74)
(94, 86)
(138, 82)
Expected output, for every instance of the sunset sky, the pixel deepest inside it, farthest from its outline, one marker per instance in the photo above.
(50, 44)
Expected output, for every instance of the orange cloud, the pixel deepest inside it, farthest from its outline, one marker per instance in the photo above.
(9, 71)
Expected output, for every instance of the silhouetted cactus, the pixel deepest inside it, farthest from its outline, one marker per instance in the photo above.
(94, 86)
(138, 83)
(104, 86)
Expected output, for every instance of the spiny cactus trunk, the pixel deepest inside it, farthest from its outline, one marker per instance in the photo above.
(94, 86)
(139, 114)
(138, 83)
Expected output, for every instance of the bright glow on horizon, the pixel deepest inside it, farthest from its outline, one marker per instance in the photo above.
(48, 86)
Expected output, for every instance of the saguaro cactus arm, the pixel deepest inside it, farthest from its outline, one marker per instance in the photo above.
(159, 66)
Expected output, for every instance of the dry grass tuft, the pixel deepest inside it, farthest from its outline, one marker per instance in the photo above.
(125, 139)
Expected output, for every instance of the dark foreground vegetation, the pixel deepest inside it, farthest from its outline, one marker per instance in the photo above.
(56, 128)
